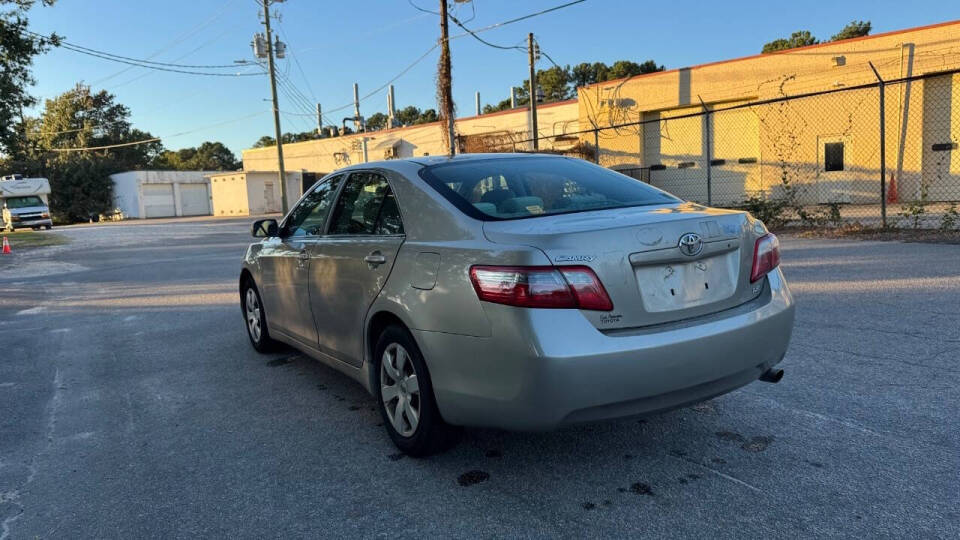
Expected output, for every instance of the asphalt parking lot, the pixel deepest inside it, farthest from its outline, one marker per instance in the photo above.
(133, 405)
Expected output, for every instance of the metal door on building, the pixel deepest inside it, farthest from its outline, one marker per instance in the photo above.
(158, 200)
(194, 200)
(269, 199)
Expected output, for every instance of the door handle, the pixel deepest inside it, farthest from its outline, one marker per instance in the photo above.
(375, 258)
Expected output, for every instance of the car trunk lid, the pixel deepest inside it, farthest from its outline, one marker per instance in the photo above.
(637, 254)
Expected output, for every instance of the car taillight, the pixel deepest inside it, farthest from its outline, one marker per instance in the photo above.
(574, 287)
(766, 256)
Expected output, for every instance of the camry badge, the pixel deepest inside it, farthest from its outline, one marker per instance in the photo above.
(690, 244)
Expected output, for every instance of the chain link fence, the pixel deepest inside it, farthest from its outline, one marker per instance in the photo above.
(881, 155)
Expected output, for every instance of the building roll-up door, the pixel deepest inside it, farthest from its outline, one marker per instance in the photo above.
(158, 200)
(194, 200)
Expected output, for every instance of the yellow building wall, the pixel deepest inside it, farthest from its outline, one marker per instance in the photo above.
(326, 155)
(778, 148)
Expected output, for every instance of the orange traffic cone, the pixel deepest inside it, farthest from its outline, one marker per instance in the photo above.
(892, 195)
(6, 246)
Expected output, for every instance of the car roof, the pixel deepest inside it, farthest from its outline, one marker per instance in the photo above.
(425, 161)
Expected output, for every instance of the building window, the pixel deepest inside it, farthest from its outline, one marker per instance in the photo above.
(833, 156)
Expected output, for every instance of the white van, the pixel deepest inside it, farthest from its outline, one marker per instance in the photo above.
(24, 202)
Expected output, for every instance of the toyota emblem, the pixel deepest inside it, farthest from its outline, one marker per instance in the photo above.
(690, 244)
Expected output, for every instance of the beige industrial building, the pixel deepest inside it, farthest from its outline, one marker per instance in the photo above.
(822, 146)
(825, 146)
(250, 193)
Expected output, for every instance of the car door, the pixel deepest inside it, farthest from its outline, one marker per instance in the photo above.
(284, 263)
(350, 265)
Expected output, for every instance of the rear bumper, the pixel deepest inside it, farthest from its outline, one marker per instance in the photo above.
(545, 368)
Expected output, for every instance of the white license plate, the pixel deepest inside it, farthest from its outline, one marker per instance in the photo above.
(677, 286)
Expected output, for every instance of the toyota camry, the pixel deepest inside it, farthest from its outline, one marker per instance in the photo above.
(516, 291)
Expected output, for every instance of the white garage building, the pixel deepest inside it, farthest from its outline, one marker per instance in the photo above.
(153, 194)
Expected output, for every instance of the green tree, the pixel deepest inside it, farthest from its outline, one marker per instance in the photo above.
(408, 116)
(265, 141)
(555, 83)
(376, 121)
(209, 156)
(621, 69)
(800, 38)
(428, 116)
(17, 51)
(501, 106)
(79, 118)
(853, 30)
(80, 139)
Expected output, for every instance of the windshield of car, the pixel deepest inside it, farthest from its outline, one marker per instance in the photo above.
(24, 202)
(530, 186)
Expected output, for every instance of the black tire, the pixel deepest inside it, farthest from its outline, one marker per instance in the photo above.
(48, 227)
(262, 342)
(432, 434)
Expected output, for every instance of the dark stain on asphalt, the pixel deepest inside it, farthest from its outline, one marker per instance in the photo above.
(642, 489)
(281, 361)
(622, 490)
(588, 506)
(628, 456)
(816, 464)
(730, 436)
(470, 478)
(607, 502)
(494, 453)
(322, 386)
(354, 407)
(719, 461)
(677, 453)
(396, 457)
(339, 398)
(757, 444)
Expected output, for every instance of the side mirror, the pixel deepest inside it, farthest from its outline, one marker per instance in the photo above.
(265, 228)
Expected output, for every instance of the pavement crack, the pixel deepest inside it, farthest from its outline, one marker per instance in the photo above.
(723, 475)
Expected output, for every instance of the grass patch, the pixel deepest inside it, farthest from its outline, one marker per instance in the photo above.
(33, 239)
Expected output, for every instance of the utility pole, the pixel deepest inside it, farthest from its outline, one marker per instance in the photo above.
(444, 84)
(276, 107)
(533, 92)
(319, 120)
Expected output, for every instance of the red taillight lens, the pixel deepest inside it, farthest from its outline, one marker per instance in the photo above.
(575, 287)
(766, 256)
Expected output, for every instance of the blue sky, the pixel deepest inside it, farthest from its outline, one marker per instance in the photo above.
(338, 43)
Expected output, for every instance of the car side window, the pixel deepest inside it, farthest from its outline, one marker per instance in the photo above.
(308, 218)
(389, 221)
(358, 211)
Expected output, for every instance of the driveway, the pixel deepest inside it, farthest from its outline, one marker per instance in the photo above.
(132, 405)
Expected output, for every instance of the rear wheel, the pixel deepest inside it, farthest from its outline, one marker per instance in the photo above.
(255, 318)
(405, 396)
(48, 227)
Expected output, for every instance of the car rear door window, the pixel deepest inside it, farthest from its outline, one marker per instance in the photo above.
(366, 206)
(309, 216)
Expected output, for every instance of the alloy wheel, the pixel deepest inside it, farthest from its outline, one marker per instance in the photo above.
(400, 389)
(252, 304)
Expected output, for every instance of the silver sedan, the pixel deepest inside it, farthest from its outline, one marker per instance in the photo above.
(521, 292)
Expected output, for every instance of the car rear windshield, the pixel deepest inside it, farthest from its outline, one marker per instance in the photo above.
(24, 202)
(531, 186)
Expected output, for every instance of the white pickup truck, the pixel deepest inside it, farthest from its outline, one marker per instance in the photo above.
(24, 202)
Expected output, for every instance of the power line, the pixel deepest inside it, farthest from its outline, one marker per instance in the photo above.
(159, 68)
(183, 36)
(137, 60)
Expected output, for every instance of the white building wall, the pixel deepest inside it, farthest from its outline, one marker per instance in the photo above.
(128, 193)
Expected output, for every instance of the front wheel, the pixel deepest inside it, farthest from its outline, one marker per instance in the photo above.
(405, 396)
(255, 317)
